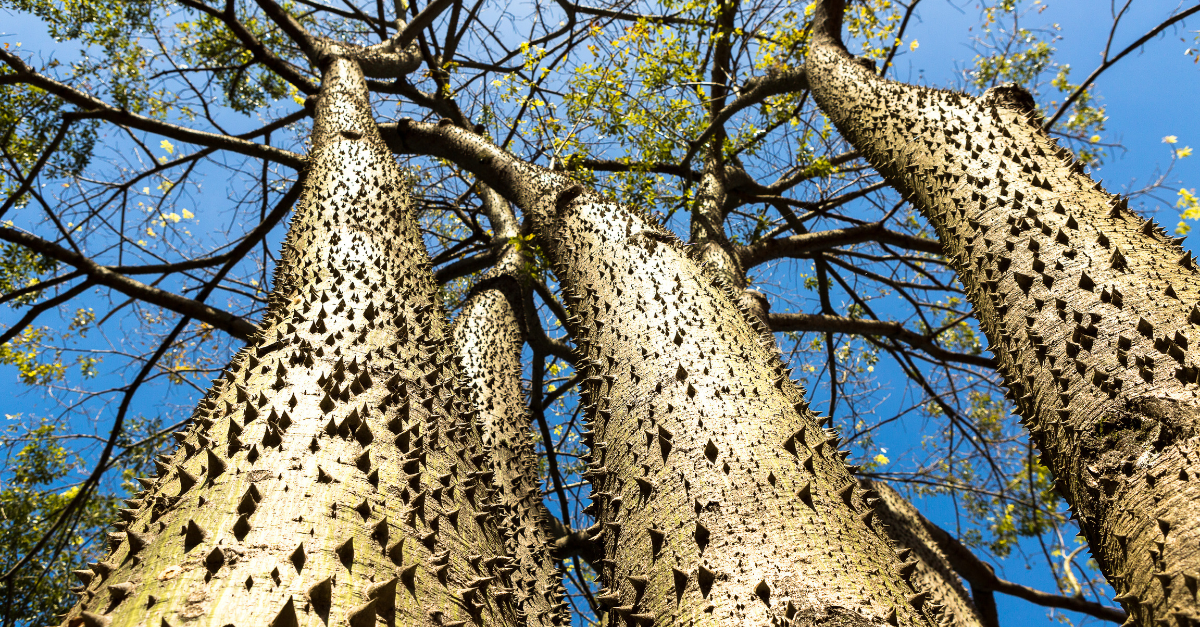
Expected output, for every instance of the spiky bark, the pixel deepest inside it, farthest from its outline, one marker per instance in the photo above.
(932, 572)
(489, 336)
(716, 250)
(722, 501)
(329, 476)
(1090, 309)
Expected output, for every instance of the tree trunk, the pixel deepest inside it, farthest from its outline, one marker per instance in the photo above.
(1090, 309)
(329, 476)
(721, 499)
(489, 336)
(932, 572)
(709, 516)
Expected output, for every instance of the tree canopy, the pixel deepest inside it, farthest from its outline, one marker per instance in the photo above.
(152, 154)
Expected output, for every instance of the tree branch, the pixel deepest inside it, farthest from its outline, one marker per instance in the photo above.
(756, 90)
(1110, 62)
(292, 28)
(807, 243)
(838, 324)
(110, 277)
(261, 54)
(38, 308)
(234, 325)
(92, 107)
(981, 576)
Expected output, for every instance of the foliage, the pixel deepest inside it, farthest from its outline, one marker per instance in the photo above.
(1009, 52)
(21, 268)
(246, 86)
(38, 480)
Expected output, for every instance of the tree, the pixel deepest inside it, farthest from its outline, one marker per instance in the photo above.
(342, 483)
(712, 478)
(1090, 309)
(489, 336)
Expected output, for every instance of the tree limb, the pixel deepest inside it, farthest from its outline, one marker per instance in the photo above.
(292, 28)
(261, 54)
(111, 277)
(806, 243)
(92, 107)
(1110, 62)
(821, 323)
(223, 320)
(981, 576)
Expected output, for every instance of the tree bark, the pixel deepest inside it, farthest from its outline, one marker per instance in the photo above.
(331, 475)
(1090, 309)
(708, 516)
(721, 499)
(932, 572)
(490, 336)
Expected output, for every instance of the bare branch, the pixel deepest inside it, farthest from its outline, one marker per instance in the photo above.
(95, 108)
(1107, 63)
(838, 324)
(808, 243)
(101, 275)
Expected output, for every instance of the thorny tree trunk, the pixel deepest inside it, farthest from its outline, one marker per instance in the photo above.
(721, 499)
(712, 191)
(328, 477)
(489, 336)
(1090, 310)
(932, 572)
(708, 234)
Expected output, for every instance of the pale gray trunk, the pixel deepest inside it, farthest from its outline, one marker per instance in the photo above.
(722, 500)
(489, 334)
(1090, 309)
(329, 476)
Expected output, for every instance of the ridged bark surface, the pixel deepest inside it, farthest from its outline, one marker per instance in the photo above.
(1090, 310)
(722, 500)
(330, 477)
(932, 572)
(488, 332)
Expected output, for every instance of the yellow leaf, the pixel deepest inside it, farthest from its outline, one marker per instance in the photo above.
(881, 459)
(1186, 151)
(914, 45)
(1095, 138)
(188, 215)
(167, 146)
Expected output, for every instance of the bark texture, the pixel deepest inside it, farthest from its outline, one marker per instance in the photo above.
(722, 501)
(331, 476)
(1090, 309)
(932, 572)
(490, 337)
